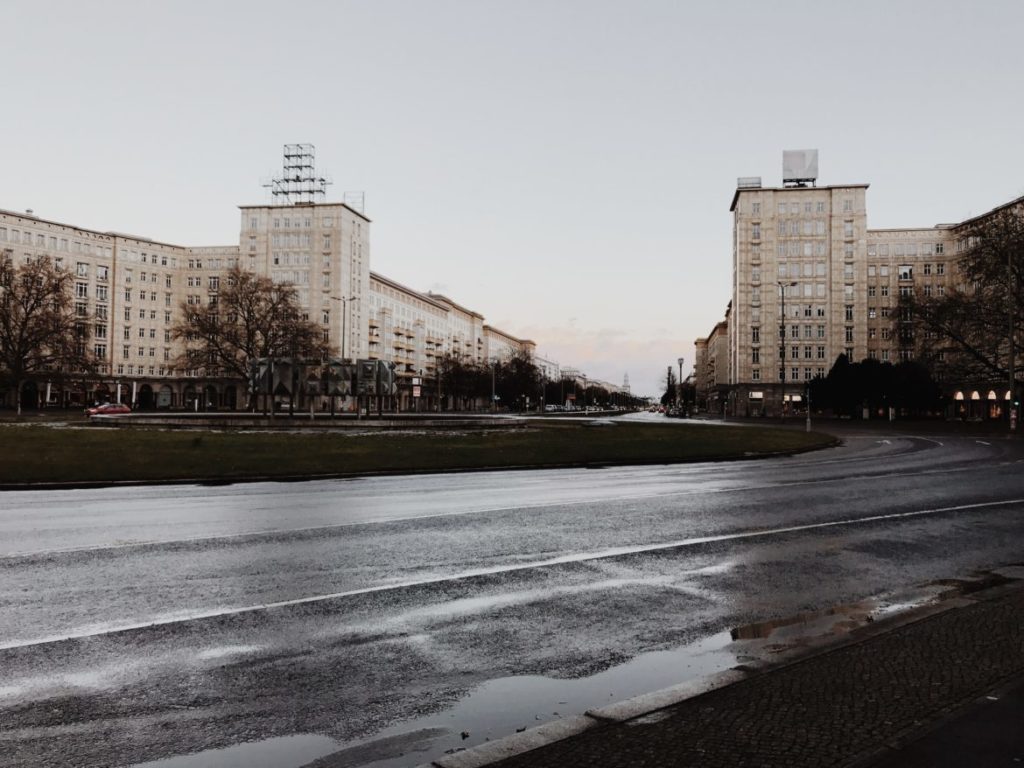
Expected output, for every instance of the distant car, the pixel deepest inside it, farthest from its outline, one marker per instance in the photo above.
(107, 409)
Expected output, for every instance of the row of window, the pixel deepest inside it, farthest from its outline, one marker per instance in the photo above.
(800, 228)
(906, 249)
(142, 296)
(151, 277)
(126, 352)
(794, 207)
(809, 373)
(130, 370)
(213, 283)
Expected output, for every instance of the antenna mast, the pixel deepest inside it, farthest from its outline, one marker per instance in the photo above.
(298, 183)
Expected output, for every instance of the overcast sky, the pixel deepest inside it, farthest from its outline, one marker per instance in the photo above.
(564, 168)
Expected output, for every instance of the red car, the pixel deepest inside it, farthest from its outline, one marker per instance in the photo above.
(107, 409)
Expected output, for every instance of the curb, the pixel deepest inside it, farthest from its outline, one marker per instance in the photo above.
(648, 704)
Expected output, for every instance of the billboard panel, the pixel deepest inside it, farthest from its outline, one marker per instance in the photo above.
(799, 165)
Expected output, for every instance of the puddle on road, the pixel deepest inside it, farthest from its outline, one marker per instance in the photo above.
(504, 706)
(500, 707)
(281, 752)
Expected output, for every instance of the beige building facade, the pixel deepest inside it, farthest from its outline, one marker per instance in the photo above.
(131, 290)
(812, 281)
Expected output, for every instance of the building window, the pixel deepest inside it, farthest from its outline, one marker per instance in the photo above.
(847, 206)
(940, 269)
(756, 231)
(81, 290)
(821, 353)
(849, 334)
(848, 229)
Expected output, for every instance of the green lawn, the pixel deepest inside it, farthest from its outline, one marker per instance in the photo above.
(36, 453)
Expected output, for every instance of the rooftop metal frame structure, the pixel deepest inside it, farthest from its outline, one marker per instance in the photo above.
(299, 182)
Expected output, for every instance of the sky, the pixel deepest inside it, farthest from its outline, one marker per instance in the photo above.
(563, 167)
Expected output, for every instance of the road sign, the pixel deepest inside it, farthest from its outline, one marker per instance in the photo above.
(415, 390)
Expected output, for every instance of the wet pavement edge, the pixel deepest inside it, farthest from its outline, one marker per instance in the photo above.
(648, 704)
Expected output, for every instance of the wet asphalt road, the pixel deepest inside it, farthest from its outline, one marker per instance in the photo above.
(368, 622)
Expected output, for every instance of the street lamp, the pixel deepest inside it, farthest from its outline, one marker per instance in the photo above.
(679, 384)
(782, 336)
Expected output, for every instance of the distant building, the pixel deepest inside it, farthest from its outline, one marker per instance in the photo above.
(810, 248)
(132, 290)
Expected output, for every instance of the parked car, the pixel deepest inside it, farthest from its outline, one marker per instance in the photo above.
(107, 409)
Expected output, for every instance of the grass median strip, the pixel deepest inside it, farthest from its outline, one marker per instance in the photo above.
(40, 454)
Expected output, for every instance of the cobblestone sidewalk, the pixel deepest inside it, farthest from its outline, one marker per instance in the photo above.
(833, 709)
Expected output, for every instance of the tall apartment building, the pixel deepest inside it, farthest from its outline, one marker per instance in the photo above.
(811, 281)
(131, 291)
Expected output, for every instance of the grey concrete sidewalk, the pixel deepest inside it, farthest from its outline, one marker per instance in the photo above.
(907, 692)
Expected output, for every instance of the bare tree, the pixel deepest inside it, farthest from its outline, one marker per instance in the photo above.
(251, 317)
(966, 331)
(39, 330)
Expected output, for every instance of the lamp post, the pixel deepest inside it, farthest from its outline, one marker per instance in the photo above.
(782, 337)
(679, 384)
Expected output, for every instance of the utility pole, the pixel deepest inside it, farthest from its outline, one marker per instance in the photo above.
(782, 338)
(679, 384)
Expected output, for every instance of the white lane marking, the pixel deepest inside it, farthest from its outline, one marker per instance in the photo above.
(484, 510)
(982, 442)
(580, 557)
